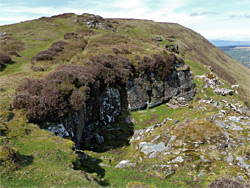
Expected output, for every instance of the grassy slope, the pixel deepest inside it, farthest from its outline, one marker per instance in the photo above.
(52, 156)
(184, 177)
(195, 48)
(45, 160)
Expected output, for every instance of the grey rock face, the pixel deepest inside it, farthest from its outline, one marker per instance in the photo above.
(124, 164)
(110, 105)
(150, 91)
(151, 149)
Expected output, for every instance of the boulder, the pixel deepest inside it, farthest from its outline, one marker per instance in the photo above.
(151, 149)
(178, 159)
(59, 130)
(157, 38)
(124, 164)
(223, 91)
(172, 48)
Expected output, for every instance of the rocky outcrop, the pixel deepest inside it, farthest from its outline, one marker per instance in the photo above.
(223, 91)
(156, 38)
(107, 103)
(172, 48)
(94, 21)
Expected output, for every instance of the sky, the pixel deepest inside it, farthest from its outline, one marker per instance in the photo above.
(214, 19)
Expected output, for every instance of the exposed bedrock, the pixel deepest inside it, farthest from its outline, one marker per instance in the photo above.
(107, 103)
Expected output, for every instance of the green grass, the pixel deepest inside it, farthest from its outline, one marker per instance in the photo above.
(44, 160)
(197, 68)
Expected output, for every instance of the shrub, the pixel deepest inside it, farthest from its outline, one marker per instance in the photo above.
(44, 55)
(111, 69)
(8, 158)
(52, 98)
(57, 46)
(60, 51)
(116, 51)
(50, 53)
(68, 36)
(4, 59)
(123, 51)
(157, 64)
(226, 183)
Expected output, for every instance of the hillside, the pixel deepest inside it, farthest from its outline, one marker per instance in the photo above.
(93, 102)
(239, 53)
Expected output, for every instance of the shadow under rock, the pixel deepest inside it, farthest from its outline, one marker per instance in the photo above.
(92, 165)
(115, 136)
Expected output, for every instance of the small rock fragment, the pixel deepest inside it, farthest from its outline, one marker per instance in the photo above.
(124, 164)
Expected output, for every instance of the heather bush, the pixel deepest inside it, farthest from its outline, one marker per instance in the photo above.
(123, 51)
(50, 53)
(44, 55)
(52, 98)
(57, 46)
(59, 52)
(4, 59)
(157, 64)
(116, 51)
(226, 183)
(68, 36)
(111, 69)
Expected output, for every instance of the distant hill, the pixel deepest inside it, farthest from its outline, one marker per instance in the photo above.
(239, 53)
(239, 50)
(220, 43)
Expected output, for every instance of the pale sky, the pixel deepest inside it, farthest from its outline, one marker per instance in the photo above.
(214, 19)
